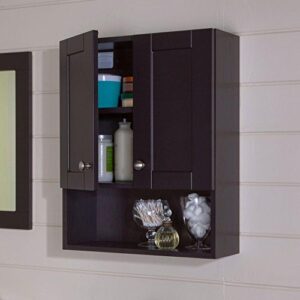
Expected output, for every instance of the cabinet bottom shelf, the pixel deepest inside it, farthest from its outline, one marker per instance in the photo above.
(131, 248)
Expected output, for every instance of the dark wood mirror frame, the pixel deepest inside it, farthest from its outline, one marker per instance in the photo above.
(21, 63)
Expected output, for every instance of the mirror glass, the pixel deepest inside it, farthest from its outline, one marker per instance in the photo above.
(7, 141)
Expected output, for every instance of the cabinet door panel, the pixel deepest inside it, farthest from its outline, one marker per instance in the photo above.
(172, 130)
(78, 85)
(183, 110)
(142, 134)
(172, 111)
(172, 40)
(203, 110)
(172, 180)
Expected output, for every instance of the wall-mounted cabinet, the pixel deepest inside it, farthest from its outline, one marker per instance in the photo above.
(185, 122)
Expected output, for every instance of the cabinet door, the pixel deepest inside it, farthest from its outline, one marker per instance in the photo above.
(142, 123)
(174, 102)
(78, 111)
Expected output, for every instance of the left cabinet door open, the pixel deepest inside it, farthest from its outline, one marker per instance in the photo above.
(78, 112)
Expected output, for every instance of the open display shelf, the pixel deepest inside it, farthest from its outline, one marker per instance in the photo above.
(102, 221)
(185, 123)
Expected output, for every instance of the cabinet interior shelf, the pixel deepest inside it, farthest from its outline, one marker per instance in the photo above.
(116, 111)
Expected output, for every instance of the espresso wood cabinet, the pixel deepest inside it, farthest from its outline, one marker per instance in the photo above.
(185, 124)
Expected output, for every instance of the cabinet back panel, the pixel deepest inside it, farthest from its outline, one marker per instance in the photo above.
(108, 124)
(172, 110)
(80, 216)
(122, 58)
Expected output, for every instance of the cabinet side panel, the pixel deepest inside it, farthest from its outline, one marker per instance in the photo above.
(227, 143)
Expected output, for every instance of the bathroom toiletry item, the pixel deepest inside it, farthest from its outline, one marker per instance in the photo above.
(105, 158)
(150, 214)
(127, 103)
(126, 96)
(106, 60)
(197, 217)
(127, 84)
(128, 79)
(127, 99)
(167, 237)
(109, 88)
(127, 87)
(123, 152)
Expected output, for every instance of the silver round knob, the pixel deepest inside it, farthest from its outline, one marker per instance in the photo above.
(84, 166)
(139, 165)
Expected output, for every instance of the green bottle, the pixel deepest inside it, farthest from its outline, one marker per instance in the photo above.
(166, 237)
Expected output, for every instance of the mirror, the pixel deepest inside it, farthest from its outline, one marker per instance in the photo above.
(16, 140)
(8, 140)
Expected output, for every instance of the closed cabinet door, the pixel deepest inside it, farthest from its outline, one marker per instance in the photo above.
(78, 111)
(174, 107)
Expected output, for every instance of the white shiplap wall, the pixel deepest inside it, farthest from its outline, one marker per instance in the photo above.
(32, 263)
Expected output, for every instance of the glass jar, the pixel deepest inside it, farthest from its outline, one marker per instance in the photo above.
(105, 158)
(167, 237)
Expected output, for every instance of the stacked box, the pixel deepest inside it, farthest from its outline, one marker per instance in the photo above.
(127, 91)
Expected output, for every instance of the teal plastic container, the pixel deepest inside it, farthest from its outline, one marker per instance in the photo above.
(109, 89)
